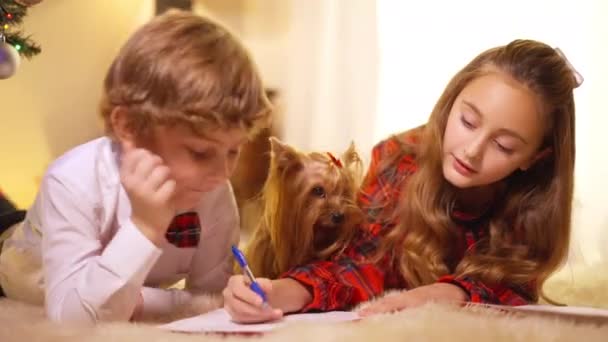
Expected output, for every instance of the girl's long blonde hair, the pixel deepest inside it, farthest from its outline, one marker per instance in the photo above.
(529, 231)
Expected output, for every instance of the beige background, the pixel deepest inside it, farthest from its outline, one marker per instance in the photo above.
(347, 70)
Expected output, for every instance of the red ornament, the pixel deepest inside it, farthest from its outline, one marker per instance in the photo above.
(9, 16)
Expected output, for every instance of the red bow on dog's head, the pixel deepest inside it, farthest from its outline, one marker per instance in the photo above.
(335, 160)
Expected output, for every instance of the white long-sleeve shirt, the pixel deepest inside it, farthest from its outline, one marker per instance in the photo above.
(96, 262)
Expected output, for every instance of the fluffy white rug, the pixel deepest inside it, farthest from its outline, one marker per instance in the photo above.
(21, 322)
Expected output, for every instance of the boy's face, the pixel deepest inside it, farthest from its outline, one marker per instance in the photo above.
(198, 164)
(493, 129)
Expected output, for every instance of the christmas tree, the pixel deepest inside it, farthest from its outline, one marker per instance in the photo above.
(13, 43)
(11, 17)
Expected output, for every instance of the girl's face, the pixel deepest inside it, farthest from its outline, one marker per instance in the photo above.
(494, 127)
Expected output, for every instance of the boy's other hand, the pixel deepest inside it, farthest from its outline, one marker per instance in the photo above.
(150, 188)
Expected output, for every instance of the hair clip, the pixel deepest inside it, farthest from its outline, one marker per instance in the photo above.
(335, 160)
(578, 78)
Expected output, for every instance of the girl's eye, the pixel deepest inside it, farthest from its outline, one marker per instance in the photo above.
(503, 148)
(466, 123)
(318, 191)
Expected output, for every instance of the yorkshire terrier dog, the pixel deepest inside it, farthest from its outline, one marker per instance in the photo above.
(309, 209)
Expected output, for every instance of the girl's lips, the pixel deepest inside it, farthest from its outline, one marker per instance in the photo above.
(462, 167)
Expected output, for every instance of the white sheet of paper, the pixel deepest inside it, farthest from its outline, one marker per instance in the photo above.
(572, 310)
(219, 321)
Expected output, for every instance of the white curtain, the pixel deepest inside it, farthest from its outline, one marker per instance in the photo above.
(330, 95)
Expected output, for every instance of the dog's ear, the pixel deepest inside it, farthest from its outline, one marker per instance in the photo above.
(350, 157)
(352, 162)
(282, 153)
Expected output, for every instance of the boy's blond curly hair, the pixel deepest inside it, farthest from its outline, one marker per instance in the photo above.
(184, 68)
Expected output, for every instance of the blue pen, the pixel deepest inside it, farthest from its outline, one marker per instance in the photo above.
(240, 258)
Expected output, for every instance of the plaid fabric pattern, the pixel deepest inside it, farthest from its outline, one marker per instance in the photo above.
(185, 230)
(351, 279)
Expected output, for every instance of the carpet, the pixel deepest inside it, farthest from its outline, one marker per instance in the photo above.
(585, 286)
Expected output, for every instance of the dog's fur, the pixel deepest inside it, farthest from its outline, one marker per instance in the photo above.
(309, 209)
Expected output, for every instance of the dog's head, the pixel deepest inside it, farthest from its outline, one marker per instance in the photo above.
(314, 197)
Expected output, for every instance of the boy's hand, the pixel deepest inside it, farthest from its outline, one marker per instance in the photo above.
(150, 189)
(246, 306)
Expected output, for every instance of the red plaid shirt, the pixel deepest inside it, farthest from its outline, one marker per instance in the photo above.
(350, 279)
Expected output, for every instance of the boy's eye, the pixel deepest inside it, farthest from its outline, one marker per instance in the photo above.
(233, 153)
(198, 155)
(318, 191)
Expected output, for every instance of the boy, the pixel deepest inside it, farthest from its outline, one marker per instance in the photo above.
(149, 204)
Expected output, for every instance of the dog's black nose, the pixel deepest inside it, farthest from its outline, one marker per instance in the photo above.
(337, 218)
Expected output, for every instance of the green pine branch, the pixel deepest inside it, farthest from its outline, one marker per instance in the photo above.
(24, 45)
(16, 10)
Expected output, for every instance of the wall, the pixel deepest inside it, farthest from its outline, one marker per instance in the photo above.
(50, 105)
(263, 26)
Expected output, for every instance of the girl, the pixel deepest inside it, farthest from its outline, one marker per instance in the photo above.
(473, 206)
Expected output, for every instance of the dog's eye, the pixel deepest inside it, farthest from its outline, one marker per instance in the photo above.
(318, 191)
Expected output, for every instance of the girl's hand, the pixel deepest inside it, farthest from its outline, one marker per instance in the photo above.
(438, 292)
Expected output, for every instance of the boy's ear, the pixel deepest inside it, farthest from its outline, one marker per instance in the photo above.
(282, 153)
(119, 119)
(539, 156)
